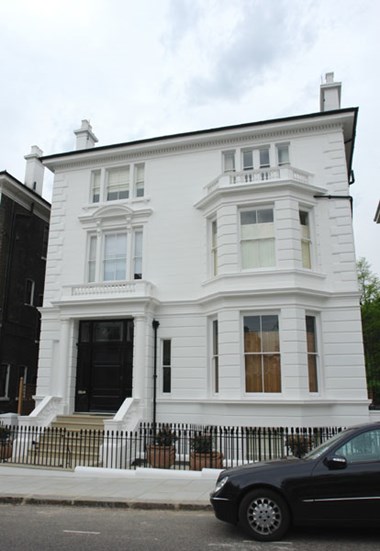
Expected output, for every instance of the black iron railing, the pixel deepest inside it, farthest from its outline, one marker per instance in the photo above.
(163, 445)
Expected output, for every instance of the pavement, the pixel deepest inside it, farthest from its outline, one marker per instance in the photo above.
(143, 488)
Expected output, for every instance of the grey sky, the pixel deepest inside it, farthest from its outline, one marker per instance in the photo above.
(139, 69)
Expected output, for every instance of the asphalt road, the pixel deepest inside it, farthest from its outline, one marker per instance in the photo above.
(57, 528)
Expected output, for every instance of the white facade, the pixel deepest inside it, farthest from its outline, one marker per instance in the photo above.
(245, 226)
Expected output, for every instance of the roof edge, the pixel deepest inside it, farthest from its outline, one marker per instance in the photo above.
(95, 150)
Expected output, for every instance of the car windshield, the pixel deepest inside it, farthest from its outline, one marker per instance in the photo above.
(319, 450)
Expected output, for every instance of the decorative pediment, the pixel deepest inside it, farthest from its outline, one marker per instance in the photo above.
(105, 215)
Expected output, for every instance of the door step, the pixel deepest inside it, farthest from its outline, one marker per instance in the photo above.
(79, 421)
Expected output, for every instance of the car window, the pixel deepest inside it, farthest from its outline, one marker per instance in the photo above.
(363, 447)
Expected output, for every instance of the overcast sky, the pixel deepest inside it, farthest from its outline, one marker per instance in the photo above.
(144, 68)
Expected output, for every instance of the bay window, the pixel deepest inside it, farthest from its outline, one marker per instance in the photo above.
(257, 238)
(262, 353)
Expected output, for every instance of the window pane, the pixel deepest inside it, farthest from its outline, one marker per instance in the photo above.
(283, 154)
(247, 160)
(118, 184)
(139, 180)
(253, 373)
(105, 331)
(270, 336)
(166, 352)
(312, 372)
(264, 216)
(115, 256)
(252, 334)
(248, 217)
(95, 186)
(264, 157)
(229, 161)
(138, 255)
(272, 373)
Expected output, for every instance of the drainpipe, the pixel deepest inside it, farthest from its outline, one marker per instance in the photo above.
(155, 325)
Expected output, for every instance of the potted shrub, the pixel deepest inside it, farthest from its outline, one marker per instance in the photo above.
(161, 453)
(5, 443)
(298, 444)
(202, 454)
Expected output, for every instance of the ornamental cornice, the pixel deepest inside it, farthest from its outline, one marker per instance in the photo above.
(138, 153)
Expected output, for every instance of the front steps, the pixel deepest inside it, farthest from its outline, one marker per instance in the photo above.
(79, 421)
(71, 440)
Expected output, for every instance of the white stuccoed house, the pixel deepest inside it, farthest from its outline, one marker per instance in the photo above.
(206, 277)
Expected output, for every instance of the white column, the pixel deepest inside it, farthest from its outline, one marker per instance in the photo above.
(139, 354)
(63, 374)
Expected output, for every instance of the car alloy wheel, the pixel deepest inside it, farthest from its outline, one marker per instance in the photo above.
(264, 515)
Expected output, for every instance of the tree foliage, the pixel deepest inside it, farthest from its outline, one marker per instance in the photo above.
(369, 285)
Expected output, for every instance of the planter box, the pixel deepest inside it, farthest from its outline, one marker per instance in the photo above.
(160, 457)
(210, 460)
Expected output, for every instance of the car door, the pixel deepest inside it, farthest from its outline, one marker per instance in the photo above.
(345, 484)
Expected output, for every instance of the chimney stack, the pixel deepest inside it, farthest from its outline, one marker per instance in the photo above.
(330, 94)
(34, 170)
(85, 136)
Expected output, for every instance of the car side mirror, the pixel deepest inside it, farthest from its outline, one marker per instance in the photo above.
(335, 462)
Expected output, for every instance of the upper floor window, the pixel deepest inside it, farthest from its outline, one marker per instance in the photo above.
(95, 186)
(262, 354)
(4, 380)
(229, 161)
(29, 292)
(114, 256)
(139, 180)
(312, 353)
(117, 183)
(137, 258)
(264, 157)
(283, 154)
(248, 160)
(214, 248)
(305, 239)
(257, 238)
(45, 240)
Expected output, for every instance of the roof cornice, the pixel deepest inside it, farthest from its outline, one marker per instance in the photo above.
(205, 138)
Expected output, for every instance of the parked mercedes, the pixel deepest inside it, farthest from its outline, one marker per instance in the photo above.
(338, 482)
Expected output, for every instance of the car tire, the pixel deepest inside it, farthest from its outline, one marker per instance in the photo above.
(264, 515)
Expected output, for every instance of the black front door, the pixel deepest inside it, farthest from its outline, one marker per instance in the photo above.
(104, 365)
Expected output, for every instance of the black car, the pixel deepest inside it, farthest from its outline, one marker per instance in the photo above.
(336, 483)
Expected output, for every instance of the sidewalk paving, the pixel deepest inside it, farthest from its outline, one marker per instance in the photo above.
(141, 488)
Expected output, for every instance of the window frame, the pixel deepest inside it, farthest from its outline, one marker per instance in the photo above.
(166, 368)
(283, 147)
(215, 355)
(95, 267)
(213, 243)
(7, 368)
(305, 240)
(232, 155)
(258, 239)
(263, 371)
(29, 292)
(313, 354)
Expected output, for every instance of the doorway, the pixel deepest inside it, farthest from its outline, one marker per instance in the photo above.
(104, 365)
